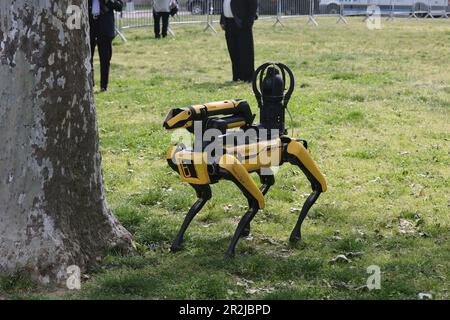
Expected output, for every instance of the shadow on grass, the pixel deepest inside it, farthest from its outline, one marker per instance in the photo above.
(189, 275)
(200, 271)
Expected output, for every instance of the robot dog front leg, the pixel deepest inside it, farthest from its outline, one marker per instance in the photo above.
(267, 181)
(203, 194)
(298, 155)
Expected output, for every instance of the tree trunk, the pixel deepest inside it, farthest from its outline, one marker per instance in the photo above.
(53, 211)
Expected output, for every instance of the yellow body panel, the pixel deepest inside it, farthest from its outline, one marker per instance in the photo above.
(170, 153)
(298, 150)
(235, 168)
(186, 116)
(192, 166)
(180, 117)
(216, 106)
(255, 156)
(240, 161)
(236, 124)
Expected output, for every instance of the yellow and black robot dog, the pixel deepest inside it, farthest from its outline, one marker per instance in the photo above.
(229, 146)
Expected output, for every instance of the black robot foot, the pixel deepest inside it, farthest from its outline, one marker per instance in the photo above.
(175, 248)
(295, 238)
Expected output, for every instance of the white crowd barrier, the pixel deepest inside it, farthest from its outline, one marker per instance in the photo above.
(139, 13)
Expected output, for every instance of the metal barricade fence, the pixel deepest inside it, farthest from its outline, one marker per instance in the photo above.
(268, 9)
(437, 9)
(139, 13)
(398, 8)
(278, 9)
(295, 8)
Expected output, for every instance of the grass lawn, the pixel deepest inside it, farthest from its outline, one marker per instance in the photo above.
(374, 106)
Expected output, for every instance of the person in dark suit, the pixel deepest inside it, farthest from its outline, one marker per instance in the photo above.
(102, 32)
(237, 20)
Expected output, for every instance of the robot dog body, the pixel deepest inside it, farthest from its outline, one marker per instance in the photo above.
(236, 154)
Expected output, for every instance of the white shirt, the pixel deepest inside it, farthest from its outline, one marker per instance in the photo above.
(95, 7)
(161, 5)
(227, 9)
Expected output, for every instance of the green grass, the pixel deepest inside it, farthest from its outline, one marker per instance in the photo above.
(374, 106)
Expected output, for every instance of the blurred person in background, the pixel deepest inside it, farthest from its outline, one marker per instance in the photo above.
(102, 33)
(237, 20)
(161, 11)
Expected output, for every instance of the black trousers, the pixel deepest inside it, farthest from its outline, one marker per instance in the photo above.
(104, 44)
(241, 49)
(165, 23)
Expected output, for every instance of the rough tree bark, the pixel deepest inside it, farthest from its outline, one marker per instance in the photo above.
(53, 211)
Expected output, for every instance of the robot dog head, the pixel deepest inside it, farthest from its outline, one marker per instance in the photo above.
(179, 118)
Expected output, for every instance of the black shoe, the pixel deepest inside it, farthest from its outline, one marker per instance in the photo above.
(157, 36)
(104, 90)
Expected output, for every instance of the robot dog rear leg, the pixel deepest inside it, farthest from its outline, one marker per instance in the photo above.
(203, 194)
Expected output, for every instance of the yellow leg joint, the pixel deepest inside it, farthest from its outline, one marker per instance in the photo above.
(299, 151)
(238, 171)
